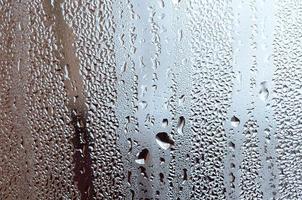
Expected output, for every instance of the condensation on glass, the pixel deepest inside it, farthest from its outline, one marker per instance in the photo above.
(157, 99)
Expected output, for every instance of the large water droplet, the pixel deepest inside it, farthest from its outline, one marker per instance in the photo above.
(164, 140)
(142, 157)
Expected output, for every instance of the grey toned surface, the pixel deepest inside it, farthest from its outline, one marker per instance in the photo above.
(163, 99)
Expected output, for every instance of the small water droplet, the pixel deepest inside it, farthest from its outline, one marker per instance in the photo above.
(180, 125)
(263, 93)
(66, 73)
(161, 177)
(185, 175)
(143, 104)
(165, 123)
(232, 145)
(235, 121)
(181, 100)
(176, 2)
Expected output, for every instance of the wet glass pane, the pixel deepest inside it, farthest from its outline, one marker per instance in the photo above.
(157, 99)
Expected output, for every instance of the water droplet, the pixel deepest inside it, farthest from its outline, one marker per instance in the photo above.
(180, 125)
(235, 121)
(165, 123)
(185, 175)
(176, 2)
(232, 145)
(161, 177)
(181, 100)
(143, 104)
(164, 140)
(263, 93)
(142, 157)
(66, 73)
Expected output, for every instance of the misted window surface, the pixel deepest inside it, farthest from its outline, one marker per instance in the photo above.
(150, 99)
